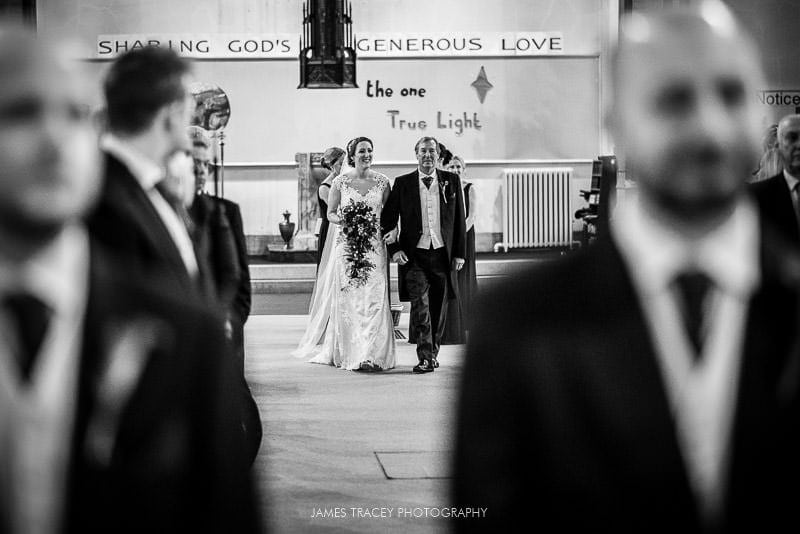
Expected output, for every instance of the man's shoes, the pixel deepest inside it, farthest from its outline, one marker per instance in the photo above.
(435, 362)
(425, 366)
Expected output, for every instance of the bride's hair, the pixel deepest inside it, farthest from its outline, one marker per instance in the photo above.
(351, 149)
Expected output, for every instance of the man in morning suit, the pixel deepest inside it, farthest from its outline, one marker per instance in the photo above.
(777, 196)
(221, 222)
(113, 394)
(649, 383)
(220, 245)
(147, 110)
(431, 246)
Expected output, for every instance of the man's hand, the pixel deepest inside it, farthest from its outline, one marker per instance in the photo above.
(458, 263)
(390, 237)
(400, 257)
(228, 329)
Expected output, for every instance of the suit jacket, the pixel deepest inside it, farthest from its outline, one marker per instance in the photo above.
(404, 203)
(215, 248)
(158, 448)
(775, 205)
(128, 225)
(216, 224)
(243, 299)
(564, 421)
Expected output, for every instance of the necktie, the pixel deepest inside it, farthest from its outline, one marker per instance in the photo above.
(427, 181)
(31, 317)
(693, 288)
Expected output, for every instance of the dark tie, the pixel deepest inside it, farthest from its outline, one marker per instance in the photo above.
(31, 317)
(693, 288)
(427, 180)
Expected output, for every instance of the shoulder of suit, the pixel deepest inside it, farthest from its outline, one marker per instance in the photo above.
(226, 201)
(408, 176)
(772, 181)
(223, 203)
(129, 291)
(553, 290)
(117, 176)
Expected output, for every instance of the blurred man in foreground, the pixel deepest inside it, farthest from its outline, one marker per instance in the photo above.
(220, 220)
(114, 395)
(650, 383)
(148, 107)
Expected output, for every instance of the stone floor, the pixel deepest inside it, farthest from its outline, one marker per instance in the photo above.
(341, 448)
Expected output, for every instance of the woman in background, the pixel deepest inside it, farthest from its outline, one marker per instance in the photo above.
(458, 310)
(332, 160)
(444, 157)
(771, 162)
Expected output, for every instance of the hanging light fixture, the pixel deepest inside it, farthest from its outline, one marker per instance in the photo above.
(327, 56)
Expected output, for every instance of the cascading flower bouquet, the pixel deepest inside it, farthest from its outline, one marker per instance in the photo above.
(359, 226)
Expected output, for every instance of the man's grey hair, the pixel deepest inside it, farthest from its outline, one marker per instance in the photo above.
(784, 122)
(425, 140)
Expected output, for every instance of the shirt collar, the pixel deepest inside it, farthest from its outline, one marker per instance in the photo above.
(656, 254)
(147, 172)
(56, 275)
(422, 174)
(791, 181)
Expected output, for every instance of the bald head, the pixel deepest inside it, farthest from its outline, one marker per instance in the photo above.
(48, 149)
(683, 109)
(789, 143)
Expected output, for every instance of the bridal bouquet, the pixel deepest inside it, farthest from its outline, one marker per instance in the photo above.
(359, 227)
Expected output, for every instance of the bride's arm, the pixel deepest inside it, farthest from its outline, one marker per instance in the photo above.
(334, 198)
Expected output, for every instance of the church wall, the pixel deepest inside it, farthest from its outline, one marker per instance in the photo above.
(541, 110)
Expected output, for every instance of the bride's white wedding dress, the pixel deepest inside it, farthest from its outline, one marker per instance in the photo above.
(354, 324)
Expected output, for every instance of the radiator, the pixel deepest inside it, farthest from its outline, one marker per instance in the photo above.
(537, 209)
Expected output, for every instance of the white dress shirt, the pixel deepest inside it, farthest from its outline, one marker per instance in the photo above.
(429, 206)
(702, 395)
(36, 418)
(149, 174)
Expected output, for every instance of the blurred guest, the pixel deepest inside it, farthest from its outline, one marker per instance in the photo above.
(771, 162)
(147, 111)
(458, 309)
(212, 233)
(210, 223)
(113, 394)
(777, 196)
(649, 383)
(229, 243)
(332, 160)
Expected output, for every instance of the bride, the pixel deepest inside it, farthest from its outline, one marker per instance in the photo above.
(353, 323)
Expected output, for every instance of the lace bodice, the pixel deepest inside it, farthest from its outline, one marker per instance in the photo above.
(373, 197)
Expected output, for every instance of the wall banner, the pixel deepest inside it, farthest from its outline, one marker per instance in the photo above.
(378, 45)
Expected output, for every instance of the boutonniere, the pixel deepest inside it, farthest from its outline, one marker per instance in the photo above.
(443, 187)
(129, 346)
